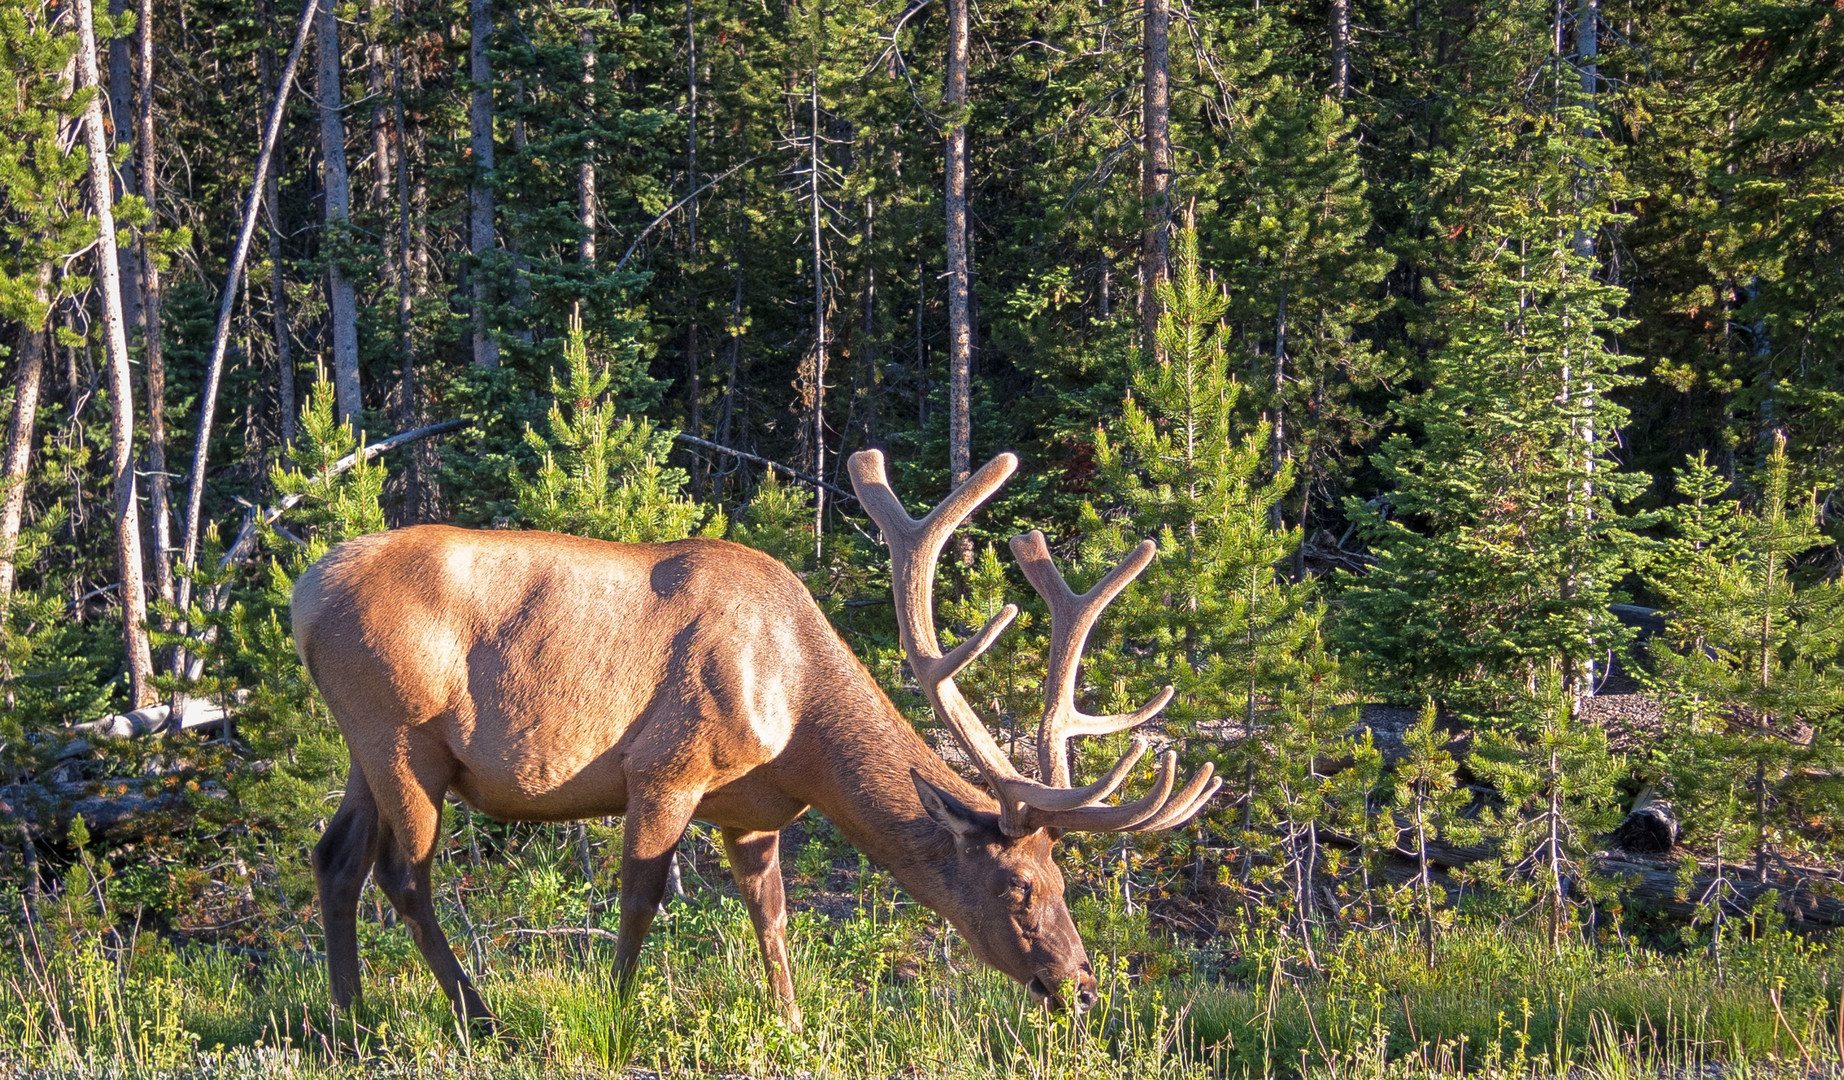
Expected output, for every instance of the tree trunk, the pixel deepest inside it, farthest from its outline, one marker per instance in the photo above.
(384, 187)
(480, 241)
(18, 460)
(382, 175)
(418, 478)
(278, 287)
(160, 488)
(121, 133)
(694, 391)
(121, 384)
(220, 341)
(585, 169)
(341, 304)
(819, 325)
(960, 329)
(406, 285)
(1155, 168)
(1341, 47)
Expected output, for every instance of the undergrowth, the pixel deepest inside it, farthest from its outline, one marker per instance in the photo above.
(888, 991)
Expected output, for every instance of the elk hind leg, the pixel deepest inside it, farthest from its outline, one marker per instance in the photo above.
(406, 858)
(341, 859)
(755, 862)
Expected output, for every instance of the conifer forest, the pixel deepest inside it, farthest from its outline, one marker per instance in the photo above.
(1475, 370)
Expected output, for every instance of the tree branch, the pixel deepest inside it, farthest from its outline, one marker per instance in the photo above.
(776, 465)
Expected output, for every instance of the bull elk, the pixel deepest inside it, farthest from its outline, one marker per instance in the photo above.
(551, 678)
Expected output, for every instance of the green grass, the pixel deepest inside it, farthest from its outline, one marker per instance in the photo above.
(886, 995)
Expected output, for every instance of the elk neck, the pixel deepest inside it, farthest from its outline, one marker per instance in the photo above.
(858, 775)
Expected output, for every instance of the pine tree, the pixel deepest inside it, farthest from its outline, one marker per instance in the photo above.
(1425, 791)
(1211, 616)
(1749, 664)
(1314, 711)
(1555, 798)
(1501, 538)
(1305, 277)
(603, 475)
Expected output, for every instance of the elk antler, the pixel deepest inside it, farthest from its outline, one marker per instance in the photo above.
(1025, 804)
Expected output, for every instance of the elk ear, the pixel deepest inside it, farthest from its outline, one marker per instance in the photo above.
(953, 815)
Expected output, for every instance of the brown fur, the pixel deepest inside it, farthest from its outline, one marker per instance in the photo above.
(549, 678)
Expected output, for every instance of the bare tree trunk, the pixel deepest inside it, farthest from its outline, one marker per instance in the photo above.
(121, 383)
(819, 324)
(121, 128)
(585, 169)
(220, 342)
(31, 353)
(384, 186)
(341, 304)
(694, 389)
(160, 487)
(406, 285)
(1341, 47)
(1155, 168)
(479, 193)
(960, 329)
(278, 287)
(382, 175)
(418, 501)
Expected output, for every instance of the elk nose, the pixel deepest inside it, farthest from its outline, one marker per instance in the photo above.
(1086, 999)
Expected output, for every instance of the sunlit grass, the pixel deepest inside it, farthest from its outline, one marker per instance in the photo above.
(885, 993)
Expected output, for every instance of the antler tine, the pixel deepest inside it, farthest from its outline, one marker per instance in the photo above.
(1072, 618)
(1200, 790)
(1120, 818)
(915, 545)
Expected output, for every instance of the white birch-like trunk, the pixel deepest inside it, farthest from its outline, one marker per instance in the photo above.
(128, 564)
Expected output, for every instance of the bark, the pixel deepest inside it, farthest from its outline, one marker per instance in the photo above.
(1341, 47)
(382, 175)
(406, 285)
(585, 169)
(341, 303)
(1155, 168)
(278, 287)
(18, 460)
(480, 192)
(159, 485)
(819, 325)
(121, 132)
(960, 329)
(220, 343)
(128, 563)
(694, 392)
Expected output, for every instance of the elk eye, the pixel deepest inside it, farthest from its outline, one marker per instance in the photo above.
(1020, 887)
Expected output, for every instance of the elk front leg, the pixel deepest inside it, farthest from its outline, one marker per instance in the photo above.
(755, 861)
(656, 818)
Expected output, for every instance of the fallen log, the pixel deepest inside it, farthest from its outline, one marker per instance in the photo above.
(195, 713)
(1651, 828)
(112, 809)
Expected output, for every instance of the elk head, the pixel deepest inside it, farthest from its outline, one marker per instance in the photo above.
(1008, 900)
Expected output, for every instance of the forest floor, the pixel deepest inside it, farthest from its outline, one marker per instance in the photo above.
(888, 991)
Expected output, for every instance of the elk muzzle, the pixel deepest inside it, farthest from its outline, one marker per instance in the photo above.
(1075, 990)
